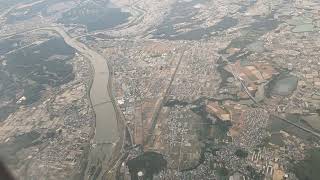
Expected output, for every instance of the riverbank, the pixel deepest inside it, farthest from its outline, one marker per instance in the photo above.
(107, 134)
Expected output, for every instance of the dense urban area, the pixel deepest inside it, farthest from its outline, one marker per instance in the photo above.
(162, 90)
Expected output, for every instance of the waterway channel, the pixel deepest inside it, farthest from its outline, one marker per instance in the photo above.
(106, 131)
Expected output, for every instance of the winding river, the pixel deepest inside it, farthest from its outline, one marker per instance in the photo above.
(106, 131)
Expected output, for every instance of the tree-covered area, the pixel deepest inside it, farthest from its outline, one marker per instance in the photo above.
(254, 174)
(29, 70)
(241, 153)
(95, 16)
(150, 163)
(33, 62)
(223, 172)
(309, 168)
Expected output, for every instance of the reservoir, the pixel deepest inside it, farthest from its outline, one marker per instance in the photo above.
(285, 85)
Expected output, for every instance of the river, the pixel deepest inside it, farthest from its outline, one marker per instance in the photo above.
(106, 131)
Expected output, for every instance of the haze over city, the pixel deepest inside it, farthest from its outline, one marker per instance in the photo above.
(160, 90)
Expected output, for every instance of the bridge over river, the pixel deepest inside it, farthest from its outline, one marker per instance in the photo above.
(106, 114)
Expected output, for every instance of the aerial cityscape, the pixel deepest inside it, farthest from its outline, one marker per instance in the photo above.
(160, 90)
